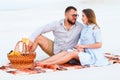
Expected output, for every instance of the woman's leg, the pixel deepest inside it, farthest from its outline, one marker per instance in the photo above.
(66, 58)
(54, 57)
(58, 60)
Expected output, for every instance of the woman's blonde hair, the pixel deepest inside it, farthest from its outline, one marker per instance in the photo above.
(90, 15)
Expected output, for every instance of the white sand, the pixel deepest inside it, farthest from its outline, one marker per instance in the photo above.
(20, 18)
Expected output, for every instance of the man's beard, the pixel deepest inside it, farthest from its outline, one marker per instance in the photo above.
(70, 22)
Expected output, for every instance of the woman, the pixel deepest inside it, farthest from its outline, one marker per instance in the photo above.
(88, 51)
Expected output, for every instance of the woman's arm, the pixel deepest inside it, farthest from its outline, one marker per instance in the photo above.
(91, 46)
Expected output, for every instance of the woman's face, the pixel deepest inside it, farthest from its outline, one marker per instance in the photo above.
(84, 18)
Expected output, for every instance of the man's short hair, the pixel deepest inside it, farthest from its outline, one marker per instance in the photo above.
(69, 8)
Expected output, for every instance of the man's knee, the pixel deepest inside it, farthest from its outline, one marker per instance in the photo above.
(39, 39)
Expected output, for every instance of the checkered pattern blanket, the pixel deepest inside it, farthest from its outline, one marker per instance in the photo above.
(114, 59)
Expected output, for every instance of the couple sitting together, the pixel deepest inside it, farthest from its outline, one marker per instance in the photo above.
(73, 42)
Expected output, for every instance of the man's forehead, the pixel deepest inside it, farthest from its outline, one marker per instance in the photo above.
(72, 11)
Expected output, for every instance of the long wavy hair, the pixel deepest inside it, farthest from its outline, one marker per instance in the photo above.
(90, 15)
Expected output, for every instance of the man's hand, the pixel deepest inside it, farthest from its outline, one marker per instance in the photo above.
(30, 45)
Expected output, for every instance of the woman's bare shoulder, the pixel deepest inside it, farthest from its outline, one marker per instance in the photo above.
(96, 27)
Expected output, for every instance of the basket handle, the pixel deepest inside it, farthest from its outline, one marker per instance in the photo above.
(24, 47)
(17, 46)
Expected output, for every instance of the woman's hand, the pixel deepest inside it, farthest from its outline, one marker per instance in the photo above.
(80, 48)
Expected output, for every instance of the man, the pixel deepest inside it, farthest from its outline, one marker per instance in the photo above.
(66, 32)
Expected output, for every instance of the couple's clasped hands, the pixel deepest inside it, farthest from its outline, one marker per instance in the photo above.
(79, 48)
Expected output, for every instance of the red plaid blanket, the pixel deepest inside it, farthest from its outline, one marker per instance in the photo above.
(52, 68)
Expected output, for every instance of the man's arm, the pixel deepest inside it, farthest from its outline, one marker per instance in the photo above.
(42, 29)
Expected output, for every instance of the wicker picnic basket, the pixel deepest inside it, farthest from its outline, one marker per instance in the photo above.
(23, 60)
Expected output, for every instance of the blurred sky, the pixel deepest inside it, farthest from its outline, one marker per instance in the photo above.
(27, 4)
